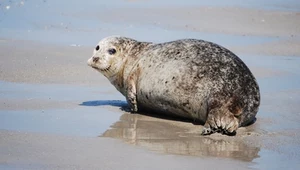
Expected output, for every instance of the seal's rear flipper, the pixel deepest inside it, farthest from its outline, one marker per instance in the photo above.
(220, 122)
(223, 119)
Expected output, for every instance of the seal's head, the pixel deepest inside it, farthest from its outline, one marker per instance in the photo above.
(109, 55)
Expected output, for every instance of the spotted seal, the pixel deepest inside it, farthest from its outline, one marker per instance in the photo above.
(190, 78)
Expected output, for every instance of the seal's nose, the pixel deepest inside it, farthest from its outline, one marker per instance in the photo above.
(95, 59)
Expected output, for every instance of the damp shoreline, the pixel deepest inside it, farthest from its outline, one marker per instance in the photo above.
(57, 113)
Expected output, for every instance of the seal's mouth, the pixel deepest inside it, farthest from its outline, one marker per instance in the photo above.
(92, 62)
(105, 69)
(95, 67)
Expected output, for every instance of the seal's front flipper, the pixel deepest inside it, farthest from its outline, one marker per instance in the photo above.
(131, 94)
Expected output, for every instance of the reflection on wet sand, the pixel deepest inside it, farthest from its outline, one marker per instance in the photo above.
(181, 138)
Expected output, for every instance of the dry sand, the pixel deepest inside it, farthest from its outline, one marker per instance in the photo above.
(57, 113)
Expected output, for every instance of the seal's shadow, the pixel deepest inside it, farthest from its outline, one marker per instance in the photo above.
(115, 103)
(123, 106)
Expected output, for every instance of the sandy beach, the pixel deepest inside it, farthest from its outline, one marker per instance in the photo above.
(57, 113)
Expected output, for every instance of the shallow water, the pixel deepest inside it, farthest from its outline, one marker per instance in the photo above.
(171, 137)
(58, 109)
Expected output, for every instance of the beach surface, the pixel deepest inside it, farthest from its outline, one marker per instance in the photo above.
(58, 113)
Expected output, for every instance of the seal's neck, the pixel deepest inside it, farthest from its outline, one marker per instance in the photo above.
(130, 60)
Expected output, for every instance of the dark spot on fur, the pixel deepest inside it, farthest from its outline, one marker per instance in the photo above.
(166, 82)
(186, 103)
(147, 97)
(173, 78)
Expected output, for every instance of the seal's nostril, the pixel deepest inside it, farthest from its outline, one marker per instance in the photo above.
(95, 59)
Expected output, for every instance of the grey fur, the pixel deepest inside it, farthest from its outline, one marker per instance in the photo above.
(189, 78)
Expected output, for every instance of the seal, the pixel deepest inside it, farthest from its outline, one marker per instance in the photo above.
(189, 78)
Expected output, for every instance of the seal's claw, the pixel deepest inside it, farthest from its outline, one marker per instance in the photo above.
(220, 121)
(132, 104)
(134, 108)
(206, 131)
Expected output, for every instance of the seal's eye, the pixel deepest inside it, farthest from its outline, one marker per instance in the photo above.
(112, 51)
(97, 47)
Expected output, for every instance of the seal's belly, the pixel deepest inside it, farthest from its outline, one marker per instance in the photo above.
(171, 88)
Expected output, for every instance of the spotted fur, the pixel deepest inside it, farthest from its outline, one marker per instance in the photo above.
(190, 78)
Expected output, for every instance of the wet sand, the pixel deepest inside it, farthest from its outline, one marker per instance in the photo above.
(41, 151)
(57, 113)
